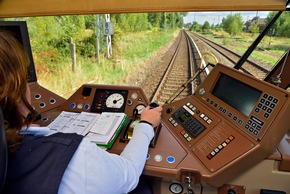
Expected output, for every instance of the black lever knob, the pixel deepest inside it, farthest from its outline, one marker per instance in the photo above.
(153, 105)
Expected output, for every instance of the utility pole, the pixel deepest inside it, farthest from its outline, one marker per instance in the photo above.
(164, 20)
(108, 35)
(172, 20)
(98, 32)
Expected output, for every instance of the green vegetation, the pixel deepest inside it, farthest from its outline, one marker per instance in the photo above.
(233, 24)
(129, 54)
(269, 50)
(136, 36)
(282, 27)
(231, 34)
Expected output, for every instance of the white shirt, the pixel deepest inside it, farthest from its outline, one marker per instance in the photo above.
(94, 170)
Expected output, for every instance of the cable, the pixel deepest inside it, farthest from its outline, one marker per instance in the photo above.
(284, 62)
(202, 67)
(277, 79)
(202, 58)
(201, 188)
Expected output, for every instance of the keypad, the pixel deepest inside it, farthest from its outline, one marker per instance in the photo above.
(266, 105)
(192, 127)
(254, 125)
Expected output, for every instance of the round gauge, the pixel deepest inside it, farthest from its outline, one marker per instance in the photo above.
(134, 95)
(115, 100)
(140, 108)
(176, 188)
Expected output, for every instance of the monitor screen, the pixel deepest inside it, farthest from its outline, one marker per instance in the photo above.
(20, 31)
(240, 96)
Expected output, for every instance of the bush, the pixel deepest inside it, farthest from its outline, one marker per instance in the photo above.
(226, 41)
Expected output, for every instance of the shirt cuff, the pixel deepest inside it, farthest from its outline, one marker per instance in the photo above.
(143, 121)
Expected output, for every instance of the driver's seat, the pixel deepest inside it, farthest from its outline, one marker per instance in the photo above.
(3, 152)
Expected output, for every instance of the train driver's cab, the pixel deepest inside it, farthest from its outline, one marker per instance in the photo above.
(230, 136)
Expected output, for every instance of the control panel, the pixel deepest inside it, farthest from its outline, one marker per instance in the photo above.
(231, 122)
(107, 98)
(43, 100)
(248, 104)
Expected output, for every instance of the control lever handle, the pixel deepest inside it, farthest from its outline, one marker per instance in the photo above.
(190, 190)
(153, 105)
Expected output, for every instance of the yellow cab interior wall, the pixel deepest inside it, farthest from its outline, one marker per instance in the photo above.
(22, 8)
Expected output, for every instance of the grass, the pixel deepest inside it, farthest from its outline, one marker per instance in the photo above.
(269, 50)
(128, 55)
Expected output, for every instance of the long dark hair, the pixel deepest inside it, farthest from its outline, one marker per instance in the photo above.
(13, 85)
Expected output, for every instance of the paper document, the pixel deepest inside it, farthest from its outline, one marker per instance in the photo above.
(99, 128)
(70, 122)
(105, 127)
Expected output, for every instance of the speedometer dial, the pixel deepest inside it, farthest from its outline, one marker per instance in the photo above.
(140, 108)
(115, 100)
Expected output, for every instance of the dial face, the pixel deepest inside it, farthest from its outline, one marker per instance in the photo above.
(115, 100)
(140, 108)
(176, 188)
(134, 95)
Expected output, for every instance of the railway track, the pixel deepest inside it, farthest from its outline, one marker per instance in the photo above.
(177, 80)
(184, 63)
(249, 66)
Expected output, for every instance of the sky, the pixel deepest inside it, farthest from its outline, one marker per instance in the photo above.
(216, 17)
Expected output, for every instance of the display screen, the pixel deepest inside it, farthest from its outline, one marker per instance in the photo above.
(236, 94)
(183, 117)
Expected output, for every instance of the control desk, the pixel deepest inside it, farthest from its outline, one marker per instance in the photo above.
(231, 122)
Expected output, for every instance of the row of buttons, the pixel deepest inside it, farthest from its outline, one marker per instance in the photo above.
(173, 122)
(220, 147)
(189, 107)
(43, 104)
(224, 110)
(192, 108)
(79, 106)
(183, 133)
(186, 136)
(159, 158)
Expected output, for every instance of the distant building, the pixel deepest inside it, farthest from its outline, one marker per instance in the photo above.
(256, 20)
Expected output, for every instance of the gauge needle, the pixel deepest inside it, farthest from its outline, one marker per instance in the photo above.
(115, 101)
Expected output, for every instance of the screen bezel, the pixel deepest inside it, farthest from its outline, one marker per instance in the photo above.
(256, 92)
(24, 40)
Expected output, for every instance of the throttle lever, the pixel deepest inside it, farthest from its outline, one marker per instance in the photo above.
(153, 105)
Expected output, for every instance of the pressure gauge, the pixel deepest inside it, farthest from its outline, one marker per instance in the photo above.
(115, 100)
(140, 108)
(176, 188)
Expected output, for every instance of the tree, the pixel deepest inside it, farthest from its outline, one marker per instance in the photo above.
(254, 28)
(195, 27)
(282, 26)
(206, 26)
(155, 19)
(188, 25)
(233, 24)
(131, 22)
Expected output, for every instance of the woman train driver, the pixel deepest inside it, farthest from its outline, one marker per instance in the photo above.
(61, 163)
